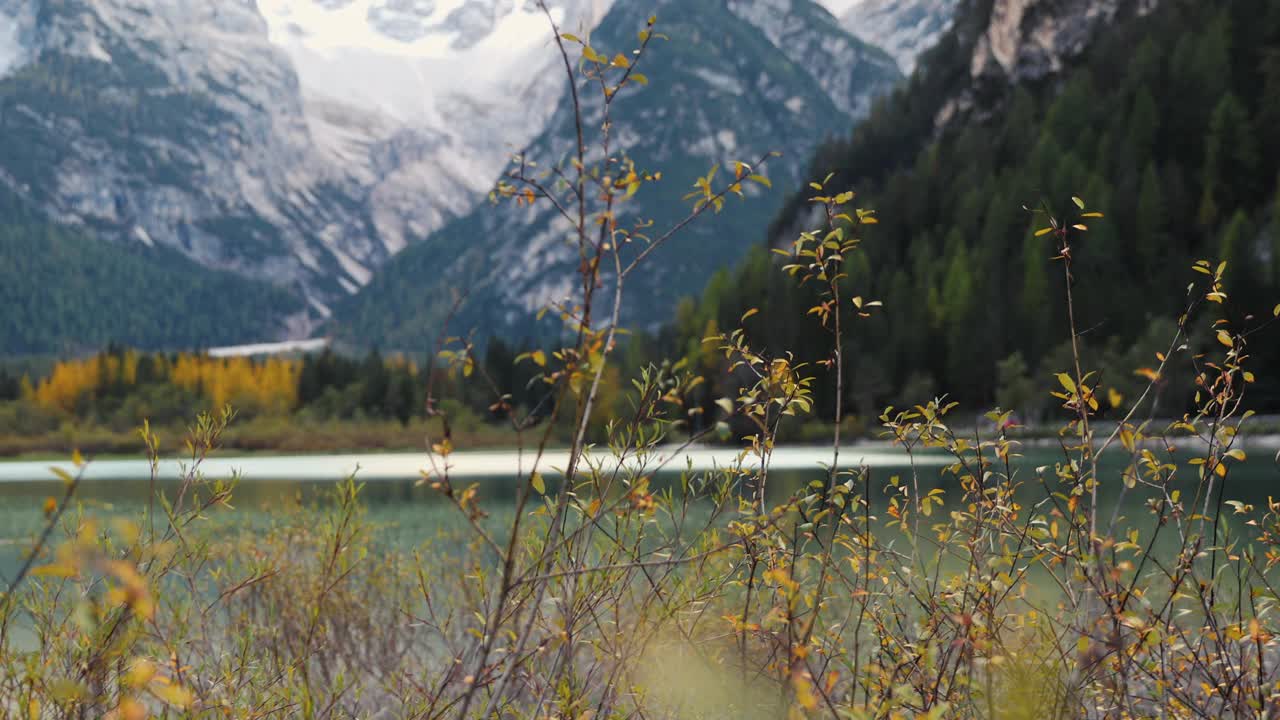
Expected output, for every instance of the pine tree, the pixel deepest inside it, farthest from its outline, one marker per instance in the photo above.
(1274, 275)
(1234, 248)
(1033, 305)
(958, 302)
(1231, 158)
(1144, 128)
(1268, 118)
(1150, 220)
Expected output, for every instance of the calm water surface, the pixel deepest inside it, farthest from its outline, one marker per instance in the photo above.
(415, 513)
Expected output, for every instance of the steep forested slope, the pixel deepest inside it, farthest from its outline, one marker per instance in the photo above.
(1167, 122)
(62, 291)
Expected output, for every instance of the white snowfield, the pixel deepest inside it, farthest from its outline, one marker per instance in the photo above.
(278, 348)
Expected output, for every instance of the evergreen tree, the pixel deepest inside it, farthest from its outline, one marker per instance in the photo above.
(958, 302)
(1234, 248)
(1144, 128)
(374, 382)
(1231, 157)
(1268, 118)
(1274, 274)
(1034, 306)
(1150, 220)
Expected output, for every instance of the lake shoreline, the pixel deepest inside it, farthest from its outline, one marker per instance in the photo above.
(398, 464)
(465, 464)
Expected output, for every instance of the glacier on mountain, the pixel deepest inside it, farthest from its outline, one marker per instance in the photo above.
(903, 28)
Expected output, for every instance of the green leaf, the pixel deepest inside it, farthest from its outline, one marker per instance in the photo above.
(1079, 203)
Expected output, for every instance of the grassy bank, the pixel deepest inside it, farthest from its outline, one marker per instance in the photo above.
(261, 435)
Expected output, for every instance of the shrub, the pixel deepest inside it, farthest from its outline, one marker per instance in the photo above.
(616, 593)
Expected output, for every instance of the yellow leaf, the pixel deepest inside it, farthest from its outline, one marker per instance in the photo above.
(539, 357)
(1225, 338)
(63, 475)
(1067, 382)
(1114, 397)
(131, 709)
(174, 695)
(538, 483)
(55, 570)
(748, 314)
(1147, 373)
(1043, 231)
(76, 458)
(65, 690)
(140, 673)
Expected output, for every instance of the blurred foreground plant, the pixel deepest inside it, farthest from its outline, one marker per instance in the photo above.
(622, 586)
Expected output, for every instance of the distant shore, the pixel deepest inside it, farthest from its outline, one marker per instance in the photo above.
(270, 437)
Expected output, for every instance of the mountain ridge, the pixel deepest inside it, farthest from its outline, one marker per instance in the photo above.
(749, 94)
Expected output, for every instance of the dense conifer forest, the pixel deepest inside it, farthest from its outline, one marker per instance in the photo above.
(1168, 125)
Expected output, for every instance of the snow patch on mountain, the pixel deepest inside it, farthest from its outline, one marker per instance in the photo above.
(904, 28)
(424, 100)
(15, 27)
(400, 57)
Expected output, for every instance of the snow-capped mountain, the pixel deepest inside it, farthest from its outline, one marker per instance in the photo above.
(904, 28)
(737, 79)
(306, 142)
(299, 141)
(425, 99)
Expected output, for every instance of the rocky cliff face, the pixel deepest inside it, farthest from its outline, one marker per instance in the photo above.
(1029, 39)
(1012, 41)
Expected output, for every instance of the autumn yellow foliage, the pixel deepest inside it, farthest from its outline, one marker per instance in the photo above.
(269, 386)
